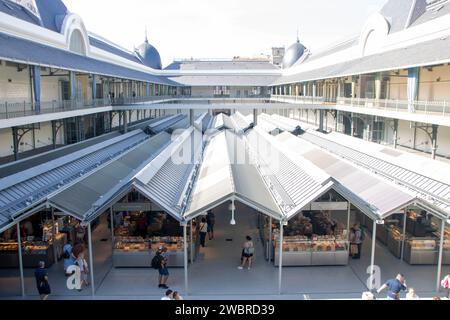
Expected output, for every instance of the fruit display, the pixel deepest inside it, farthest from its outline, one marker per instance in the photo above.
(396, 233)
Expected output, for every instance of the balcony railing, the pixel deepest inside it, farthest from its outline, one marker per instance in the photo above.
(10, 110)
(438, 108)
(303, 100)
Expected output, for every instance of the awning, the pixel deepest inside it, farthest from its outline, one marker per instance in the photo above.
(222, 178)
(92, 195)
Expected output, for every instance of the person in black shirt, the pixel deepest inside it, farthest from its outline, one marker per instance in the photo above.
(210, 220)
(42, 284)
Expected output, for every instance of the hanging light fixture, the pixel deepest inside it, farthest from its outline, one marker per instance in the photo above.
(232, 207)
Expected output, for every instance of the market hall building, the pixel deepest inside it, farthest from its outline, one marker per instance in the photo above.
(102, 146)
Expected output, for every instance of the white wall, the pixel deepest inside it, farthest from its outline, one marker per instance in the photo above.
(19, 89)
(430, 88)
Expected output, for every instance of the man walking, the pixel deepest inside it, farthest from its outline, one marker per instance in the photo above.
(42, 284)
(395, 287)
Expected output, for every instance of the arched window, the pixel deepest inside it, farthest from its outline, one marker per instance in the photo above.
(77, 43)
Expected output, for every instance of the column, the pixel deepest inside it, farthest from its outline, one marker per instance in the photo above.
(55, 254)
(186, 282)
(94, 89)
(125, 121)
(73, 87)
(402, 254)
(441, 252)
(413, 88)
(395, 133)
(270, 240)
(111, 218)
(192, 241)
(280, 266)
(54, 134)
(372, 259)
(36, 74)
(91, 259)
(15, 135)
(434, 141)
(378, 86)
(255, 117)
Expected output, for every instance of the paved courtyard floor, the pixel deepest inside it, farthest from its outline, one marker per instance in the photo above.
(214, 275)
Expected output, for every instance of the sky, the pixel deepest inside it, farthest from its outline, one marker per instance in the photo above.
(225, 28)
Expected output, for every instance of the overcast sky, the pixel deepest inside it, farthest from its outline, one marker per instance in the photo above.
(225, 28)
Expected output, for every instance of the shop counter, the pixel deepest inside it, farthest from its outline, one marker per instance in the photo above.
(415, 256)
(394, 245)
(132, 259)
(293, 258)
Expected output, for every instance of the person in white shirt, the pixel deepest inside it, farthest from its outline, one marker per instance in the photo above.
(176, 296)
(82, 264)
(168, 296)
(411, 295)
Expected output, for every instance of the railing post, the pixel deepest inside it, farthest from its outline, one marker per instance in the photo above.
(6, 109)
(24, 110)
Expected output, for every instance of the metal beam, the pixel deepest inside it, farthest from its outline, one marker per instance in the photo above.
(186, 281)
(441, 252)
(91, 259)
(19, 248)
(403, 235)
(280, 266)
(372, 258)
(270, 239)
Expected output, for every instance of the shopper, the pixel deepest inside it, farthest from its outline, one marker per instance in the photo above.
(368, 296)
(247, 253)
(203, 230)
(356, 241)
(42, 283)
(176, 296)
(211, 221)
(69, 259)
(168, 296)
(84, 270)
(160, 262)
(395, 287)
(445, 283)
(412, 295)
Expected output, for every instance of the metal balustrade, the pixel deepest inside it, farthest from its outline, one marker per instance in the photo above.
(437, 108)
(10, 110)
(422, 107)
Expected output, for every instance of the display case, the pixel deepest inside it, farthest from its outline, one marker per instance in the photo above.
(296, 251)
(131, 252)
(394, 241)
(9, 256)
(138, 252)
(34, 252)
(327, 250)
(421, 251)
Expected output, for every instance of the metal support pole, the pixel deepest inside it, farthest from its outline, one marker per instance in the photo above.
(15, 143)
(19, 248)
(403, 235)
(348, 221)
(441, 252)
(434, 141)
(270, 239)
(372, 259)
(395, 133)
(111, 215)
(55, 254)
(280, 266)
(54, 134)
(91, 260)
(192, 242)
(186, 283)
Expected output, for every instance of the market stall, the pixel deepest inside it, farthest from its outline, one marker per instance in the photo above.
(139, 236)
(38, 244)
(310, 239)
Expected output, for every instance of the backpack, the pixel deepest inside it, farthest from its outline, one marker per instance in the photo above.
(363, 234)
(66, 255)
(250, 250)
(156, 261)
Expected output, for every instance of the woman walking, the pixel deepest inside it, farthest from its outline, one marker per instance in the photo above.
(247, 253)
(84, 270)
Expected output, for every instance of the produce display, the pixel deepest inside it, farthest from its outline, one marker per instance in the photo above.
(8, 247)
(423, 244)
(35, 248)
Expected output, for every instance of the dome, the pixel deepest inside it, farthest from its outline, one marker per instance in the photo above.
(149, 55)
(293, 54)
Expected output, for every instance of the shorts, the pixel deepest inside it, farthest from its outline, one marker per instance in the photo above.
(247, 255)
(163, 272)
(210, 227)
